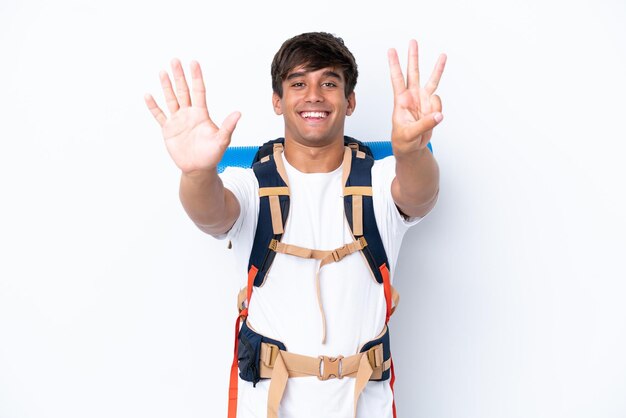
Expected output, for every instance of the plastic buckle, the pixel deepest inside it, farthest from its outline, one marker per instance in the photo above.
(271, 356)
(273, 244)
(335, 255)
(330, 367)
(340, 253)
(363, 242)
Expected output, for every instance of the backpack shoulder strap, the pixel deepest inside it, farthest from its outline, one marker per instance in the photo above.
(357, 145)
(359, 210)
(273, 207)
(266, 149)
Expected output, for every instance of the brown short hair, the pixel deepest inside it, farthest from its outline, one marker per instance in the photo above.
(313, 50)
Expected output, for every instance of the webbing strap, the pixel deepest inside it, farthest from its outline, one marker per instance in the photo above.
(280, 166)
(234, 379)
(251, 275)
(277, 387)
(361, 190)
(384, 271)
(279, 366)
(362, 377)
(395, 298)
(357, 215)
(326, 257)
(281, 247)
(273, 191)
(277, 215)
(393, 396)
(347, 165)
(244, 296)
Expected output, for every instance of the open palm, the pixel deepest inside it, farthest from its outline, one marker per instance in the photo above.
(192, 139)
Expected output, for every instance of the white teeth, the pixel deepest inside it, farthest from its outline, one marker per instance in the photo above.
(314, 114)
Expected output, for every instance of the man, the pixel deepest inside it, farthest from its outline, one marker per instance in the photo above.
(316, 309)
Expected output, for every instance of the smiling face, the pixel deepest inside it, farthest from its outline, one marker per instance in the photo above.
(314, 106)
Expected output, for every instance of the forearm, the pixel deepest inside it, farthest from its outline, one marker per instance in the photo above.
(416, 185)
(212, 207)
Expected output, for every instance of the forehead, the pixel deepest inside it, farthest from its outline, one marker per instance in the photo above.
(303, 70)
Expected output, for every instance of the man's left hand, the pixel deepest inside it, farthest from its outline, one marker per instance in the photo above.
(416, 109)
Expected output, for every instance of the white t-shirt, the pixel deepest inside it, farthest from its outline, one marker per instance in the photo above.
(285, 308)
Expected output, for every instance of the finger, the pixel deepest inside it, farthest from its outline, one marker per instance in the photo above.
(229, 124)
(168, 92)
(433, 81)
(397, 78)
(198, 94)
(425, 124)
(155, 109)
(182, 90)
(435, 103)
(413, 72)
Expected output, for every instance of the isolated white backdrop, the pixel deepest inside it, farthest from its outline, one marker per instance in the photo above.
(112, 304)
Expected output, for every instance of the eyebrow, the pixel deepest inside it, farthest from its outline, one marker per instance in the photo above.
(327, 73)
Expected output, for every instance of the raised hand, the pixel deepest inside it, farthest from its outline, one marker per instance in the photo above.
(416, 110)
(192, 139)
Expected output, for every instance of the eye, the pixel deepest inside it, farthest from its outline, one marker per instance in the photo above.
(298, 84)
(329, 84)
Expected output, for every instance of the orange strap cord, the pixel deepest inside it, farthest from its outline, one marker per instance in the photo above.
(390, 294)
(384, 271)
(234, 378)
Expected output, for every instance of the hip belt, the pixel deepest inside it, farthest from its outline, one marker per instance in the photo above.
(260, 357)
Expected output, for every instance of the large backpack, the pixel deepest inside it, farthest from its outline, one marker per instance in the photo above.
(257, 356)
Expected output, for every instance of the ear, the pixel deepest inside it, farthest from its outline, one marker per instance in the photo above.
(276, 102)
(351, 104)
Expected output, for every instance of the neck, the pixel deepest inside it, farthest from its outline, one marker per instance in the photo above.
(322, 159)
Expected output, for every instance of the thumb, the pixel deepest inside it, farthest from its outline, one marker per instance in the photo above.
(229, 124)
(425, 124)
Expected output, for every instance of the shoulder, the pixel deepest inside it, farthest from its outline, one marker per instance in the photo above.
(242, 183)
(239, 180)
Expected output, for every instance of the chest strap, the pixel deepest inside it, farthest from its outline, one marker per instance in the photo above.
(325, 257)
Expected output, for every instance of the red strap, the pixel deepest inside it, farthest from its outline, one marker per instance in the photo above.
(234, 378)
(384, 271)
(393, 379)
(251, 275)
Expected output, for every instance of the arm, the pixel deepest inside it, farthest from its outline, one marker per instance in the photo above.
(416, 112)
(197, 145)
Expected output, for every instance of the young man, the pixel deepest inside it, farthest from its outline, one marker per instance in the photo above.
(320, 310)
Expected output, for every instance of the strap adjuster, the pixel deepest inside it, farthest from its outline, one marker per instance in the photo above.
(273, 244)
(340, 253)
(375, 356)
(330, 367)
(271, 354)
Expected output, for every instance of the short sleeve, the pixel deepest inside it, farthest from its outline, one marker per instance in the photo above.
(243, 184)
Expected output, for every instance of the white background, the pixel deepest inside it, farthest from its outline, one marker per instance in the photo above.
(112, 304)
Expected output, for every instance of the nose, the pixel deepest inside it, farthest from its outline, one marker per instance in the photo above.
(314, 94)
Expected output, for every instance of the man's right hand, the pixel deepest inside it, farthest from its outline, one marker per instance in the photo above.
(193, 141)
